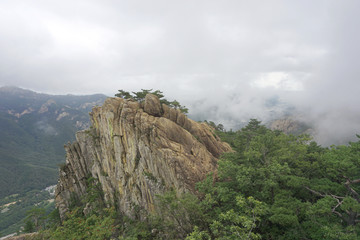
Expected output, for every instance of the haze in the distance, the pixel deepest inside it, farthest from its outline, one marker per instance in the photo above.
(228, 61)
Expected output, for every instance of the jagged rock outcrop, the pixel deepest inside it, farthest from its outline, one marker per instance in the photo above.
(137, 150)
(291, 126)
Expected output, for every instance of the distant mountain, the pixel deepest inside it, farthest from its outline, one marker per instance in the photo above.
(34, 128)
(291, 125)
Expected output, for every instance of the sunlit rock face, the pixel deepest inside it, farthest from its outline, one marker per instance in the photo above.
(136, 151)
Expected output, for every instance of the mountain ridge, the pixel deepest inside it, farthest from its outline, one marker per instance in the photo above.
(34, 128)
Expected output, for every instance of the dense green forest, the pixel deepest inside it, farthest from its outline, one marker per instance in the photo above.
(273, 186)
(14, 209)
(34, 128)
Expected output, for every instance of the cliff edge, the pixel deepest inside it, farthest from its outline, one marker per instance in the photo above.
(135, 151)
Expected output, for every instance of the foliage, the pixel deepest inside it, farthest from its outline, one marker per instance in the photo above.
(236, 223)
(94, 194)
(77, 226)
(218, 127)
(34, 219)
(13, 217)
(176, 216)
(180, 212)
(297, 189)
(97, 222)
(150, 176)
(140, 97)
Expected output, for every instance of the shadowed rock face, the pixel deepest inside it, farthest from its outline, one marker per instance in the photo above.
(137, 151)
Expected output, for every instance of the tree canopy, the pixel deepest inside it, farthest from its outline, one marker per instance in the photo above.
(140, 97)
(288, 188)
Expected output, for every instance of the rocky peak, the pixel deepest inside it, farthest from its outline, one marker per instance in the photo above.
(152, 105)
(290, 125)
(137, 150)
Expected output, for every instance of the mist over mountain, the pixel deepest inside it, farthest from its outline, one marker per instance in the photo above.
(337, 125)
(226, 62)
(34, 128)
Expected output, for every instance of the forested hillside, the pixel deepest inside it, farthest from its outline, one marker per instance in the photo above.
(34, 128)
(278, 186)
(273, 186)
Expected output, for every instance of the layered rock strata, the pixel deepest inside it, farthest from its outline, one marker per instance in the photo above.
(136, 151)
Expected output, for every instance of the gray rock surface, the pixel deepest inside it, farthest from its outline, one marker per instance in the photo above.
(137, 152)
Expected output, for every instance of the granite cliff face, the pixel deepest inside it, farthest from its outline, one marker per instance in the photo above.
(137, 150)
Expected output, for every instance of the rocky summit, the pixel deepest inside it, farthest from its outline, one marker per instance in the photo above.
(136, 151)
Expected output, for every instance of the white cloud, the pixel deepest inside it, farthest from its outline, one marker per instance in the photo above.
(278, 80)
(224, 59)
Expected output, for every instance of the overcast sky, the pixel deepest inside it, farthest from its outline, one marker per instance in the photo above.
(227, 60)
